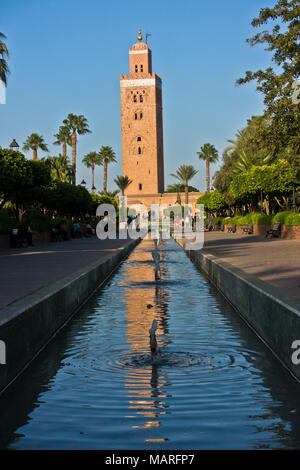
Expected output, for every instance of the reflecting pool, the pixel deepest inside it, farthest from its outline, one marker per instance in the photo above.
(214, 386)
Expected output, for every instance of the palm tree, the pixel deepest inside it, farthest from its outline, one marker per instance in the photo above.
(245, 162)
(60, 168)
(107, 156)
(90, 161)
(34, 142)
(63, 137)
(209, 154)
(4, 54)
(184, 174)
(77, 124)
(122, 182)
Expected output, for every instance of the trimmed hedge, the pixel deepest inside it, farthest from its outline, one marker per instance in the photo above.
(285, 218)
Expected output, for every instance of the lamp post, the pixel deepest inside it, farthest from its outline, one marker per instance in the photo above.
(93, 189)
(70, 175)
(294, 199)
(83, 183)
(14, 145)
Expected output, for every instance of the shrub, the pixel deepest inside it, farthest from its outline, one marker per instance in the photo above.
(287, 218)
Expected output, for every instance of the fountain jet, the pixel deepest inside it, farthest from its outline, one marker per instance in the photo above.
(153, 343)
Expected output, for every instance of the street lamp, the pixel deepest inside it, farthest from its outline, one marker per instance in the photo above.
(83, 182)
(294, 199)
(14, 145)
(93, 189)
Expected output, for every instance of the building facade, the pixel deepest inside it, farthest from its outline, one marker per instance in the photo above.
(141, 122)
(142, 131)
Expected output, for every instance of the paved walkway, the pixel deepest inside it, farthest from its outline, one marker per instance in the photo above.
(274, 261)
(25, 270)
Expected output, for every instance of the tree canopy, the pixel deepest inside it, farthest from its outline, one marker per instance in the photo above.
(278, 83)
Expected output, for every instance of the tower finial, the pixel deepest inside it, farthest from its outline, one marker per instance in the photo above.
(140, 37)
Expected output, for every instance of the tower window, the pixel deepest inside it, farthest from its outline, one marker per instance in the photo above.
(141, 98)
(135, 116)
(136, 68)
(142, 68)
(139, 151)
(139, 139)
(140, 186)
(141, 115)
(134, 98)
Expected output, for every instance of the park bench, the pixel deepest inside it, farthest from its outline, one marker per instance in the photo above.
(248, 229)
(232, 229)
(274, 231)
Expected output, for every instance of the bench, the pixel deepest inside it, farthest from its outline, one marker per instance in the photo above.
(274, 231)
(248, 229)
(232, 229)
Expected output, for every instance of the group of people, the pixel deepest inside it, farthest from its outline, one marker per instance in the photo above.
(185, 221)
(60, 231)
(83, 230)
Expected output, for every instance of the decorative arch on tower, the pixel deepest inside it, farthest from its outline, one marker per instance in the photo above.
(138, 145)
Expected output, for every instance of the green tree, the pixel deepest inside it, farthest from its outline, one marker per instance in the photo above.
(122, 182)
(107, 156)
(4, 55)
(68, 200)
(245, 150)
(90, 160)
(209, 154)
(35, 142)
(213, 201)
(14, 174)
(274, 180)
(245, 162)
(278, 83)
(76, 124)
(180, 188)
(22, 181)
(60, 168)
(184, 174)
(63, 137)
(98, 199)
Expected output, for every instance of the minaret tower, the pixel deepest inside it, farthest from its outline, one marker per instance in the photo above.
(141, 121)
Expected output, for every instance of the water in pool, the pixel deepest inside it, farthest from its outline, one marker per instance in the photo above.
(214, 386)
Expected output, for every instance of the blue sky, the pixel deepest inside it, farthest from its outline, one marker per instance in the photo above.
(67, 57)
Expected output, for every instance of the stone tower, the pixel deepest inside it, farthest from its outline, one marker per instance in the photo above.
(141, 122)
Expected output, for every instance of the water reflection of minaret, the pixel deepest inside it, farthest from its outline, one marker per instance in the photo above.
(145, 301)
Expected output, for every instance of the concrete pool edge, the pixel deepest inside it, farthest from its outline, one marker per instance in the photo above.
(274, 316)
(27, 325)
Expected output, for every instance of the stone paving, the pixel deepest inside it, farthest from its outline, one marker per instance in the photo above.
(25, 270)
(274, 261)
